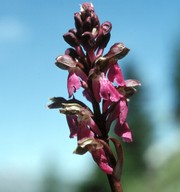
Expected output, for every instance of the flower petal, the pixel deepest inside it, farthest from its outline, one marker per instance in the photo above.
(83, 131)
(72, 123)
(107, 90)
(73, 83)
(81, 74)
(123, 131)
(93, 126)
(115, 75)
(100, 158)
(123, 111)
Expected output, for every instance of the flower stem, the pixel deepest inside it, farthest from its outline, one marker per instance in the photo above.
(114, 184)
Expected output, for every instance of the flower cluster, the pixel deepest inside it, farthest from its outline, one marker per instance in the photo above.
(103, 85)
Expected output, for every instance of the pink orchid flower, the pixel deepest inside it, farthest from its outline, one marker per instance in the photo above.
(103, 85)
(103, 88)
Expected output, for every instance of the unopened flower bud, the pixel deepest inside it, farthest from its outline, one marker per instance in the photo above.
(78, 22)
(72, 53)
(103, 37)
(71, 39)
(106, 27)
(95, 21)
(87, 24)
(88, 40)
(86, 9)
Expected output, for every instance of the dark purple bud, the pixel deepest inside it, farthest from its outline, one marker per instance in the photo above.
(80, 52)
(88, 41)
(102, 42)
(106, 27)
(71, 39)
(65, 62)
(103, 37)
(78, 21)
(86, 9)
(95, 22)
(87, 24)
(74, 31)
(72, 52)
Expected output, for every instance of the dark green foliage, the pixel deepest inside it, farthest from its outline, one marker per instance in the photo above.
(140, 123)
(51, 181)
(176, 77)
(97, 182)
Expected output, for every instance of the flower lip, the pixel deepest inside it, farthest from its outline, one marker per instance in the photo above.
(103, 88)
(74, 83)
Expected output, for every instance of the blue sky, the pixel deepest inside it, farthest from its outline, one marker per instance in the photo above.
(30, 40)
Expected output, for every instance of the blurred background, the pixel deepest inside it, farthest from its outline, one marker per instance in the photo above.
(35, 149)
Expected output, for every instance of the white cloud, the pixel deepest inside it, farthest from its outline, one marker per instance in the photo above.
(11, 30)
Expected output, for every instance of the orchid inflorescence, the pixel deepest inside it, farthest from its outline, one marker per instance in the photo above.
(103, 85)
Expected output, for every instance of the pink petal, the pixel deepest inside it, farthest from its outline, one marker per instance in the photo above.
(107, 90)
(101, 159)
(94, 127)
(115, 75)
(123, 111)
(112, 116)
(72, 123)
(123, 131)
(81, 74)
(83, 131)
(74, 83)
(119, 112)
(87, 94)
(106, 105)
